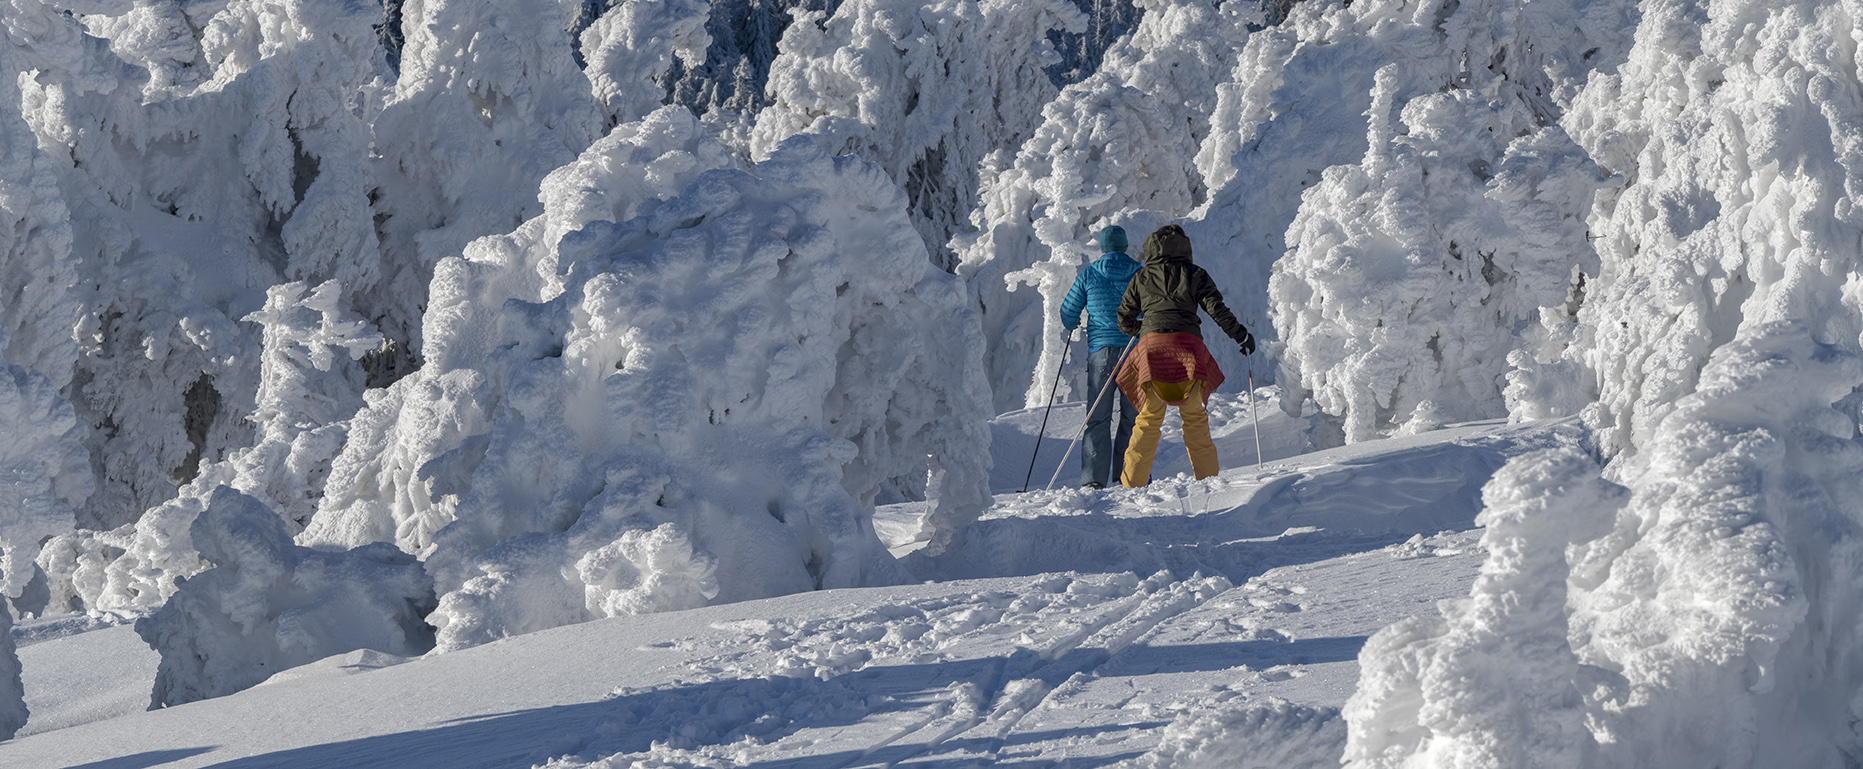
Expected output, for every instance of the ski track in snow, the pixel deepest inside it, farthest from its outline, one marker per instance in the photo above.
(1070, 631)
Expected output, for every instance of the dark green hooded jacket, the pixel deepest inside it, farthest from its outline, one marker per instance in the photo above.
(1168, 290)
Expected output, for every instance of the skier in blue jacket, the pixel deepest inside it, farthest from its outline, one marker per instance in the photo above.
(1098, 290)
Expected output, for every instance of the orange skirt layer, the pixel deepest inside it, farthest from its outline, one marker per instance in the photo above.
(1168, 359)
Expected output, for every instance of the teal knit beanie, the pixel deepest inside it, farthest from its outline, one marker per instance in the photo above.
(1113, 239)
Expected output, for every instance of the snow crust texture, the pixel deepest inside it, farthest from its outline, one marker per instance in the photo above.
(1706, 613)
(1249, 734)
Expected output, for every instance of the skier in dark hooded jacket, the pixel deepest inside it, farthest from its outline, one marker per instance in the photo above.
(1170, 366)
(1098, 290)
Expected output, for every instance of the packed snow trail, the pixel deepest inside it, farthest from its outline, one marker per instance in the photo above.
(1099, 627)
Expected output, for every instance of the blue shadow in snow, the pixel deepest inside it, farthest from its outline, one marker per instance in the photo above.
(721, 712)
(144, 760)
(1142, 659)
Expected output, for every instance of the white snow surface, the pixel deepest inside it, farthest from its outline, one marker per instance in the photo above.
(1185, 624)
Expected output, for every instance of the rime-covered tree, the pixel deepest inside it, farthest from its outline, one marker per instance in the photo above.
(1454, 211)
(631, 51)
(204, 153)
(1708, 616)
(1736, 133)
(489, 100)
(926, 90)
(559, 457)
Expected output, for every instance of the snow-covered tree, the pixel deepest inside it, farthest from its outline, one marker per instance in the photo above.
(1405, 94)
(1737, 132)
(1711, 617)
(1114, 149)
(1725, 611)
(490, 100)
(1081, 52)
(631, 51)
(1409, 274)
(206, 151)
(744, 38)
(42, 474)
(560, 455)
(310, 386)
(926, 90)
(39, 308)
(378, 491)
(268, 604)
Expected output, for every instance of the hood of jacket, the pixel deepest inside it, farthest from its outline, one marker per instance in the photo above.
(1115, 266)
(1169, 244)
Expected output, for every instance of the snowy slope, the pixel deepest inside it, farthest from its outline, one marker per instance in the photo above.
(1077, 626)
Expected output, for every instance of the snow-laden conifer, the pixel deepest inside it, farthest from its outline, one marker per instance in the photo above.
(1492, 679)
(489, 101)
(1410, 274)
(631, 51)
(1709, 617)
(926, 90)
(697, 404)
(1413, 264)
(1736, 134)
(205, 152)
(310, 385)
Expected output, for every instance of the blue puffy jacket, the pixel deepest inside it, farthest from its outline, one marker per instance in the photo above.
(1098, 290)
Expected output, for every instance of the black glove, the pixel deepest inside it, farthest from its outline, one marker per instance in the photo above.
(1248, 343)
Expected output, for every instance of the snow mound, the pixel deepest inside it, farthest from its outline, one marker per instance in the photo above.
(267, 605)
(704, 413)
(1716, 622)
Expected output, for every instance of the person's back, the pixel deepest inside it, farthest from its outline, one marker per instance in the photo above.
(1098, 290)
(1169, 364)
(1163, 297)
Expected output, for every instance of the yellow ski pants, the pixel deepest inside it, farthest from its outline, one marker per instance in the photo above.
(1150, 425)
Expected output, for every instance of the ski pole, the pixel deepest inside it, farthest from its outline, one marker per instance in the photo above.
(1089, 415)
(1065, 348)
(1254, 416)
